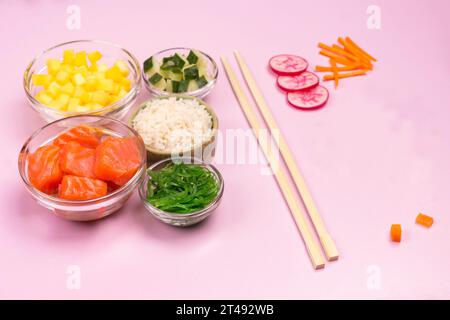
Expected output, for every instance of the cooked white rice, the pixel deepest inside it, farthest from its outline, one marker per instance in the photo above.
(173, 124)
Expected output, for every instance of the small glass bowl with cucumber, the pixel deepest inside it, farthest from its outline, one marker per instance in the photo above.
(180, 71)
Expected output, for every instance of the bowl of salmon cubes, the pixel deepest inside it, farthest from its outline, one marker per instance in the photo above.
(83, 77)
(83, 168)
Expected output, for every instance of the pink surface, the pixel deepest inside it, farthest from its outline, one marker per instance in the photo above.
(377, 154)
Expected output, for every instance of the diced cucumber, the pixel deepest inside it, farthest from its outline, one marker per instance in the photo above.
(175, 86)
(148, 64)
(201, 61)
(161, 84)
(203, 71)
(191, 73)
(172, 74)
(174, 61)
(152, 66)
(192, 85)
(155, 78)
(169, 85)
(183, 86)
(178, 73)
(179, 61)
(201, 82)
(192, 57)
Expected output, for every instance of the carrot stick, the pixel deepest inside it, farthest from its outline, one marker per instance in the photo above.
(335, 74)
(337, 51)
(365, 61)
(337, 58)
(342, 52)
(344, 68)
(350, 41)
(344, 75)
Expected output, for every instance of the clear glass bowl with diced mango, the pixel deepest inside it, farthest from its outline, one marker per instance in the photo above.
(180, 71)
(83, 77)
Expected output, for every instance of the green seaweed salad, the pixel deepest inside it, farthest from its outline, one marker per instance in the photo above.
(182, 188)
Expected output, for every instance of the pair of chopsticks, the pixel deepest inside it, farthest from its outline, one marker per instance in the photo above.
(281, 177)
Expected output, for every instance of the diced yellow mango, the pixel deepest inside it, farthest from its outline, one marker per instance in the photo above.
(83, 70)
(62, 77)
(91, 83)
(116, 88)
(53, 89)
(78, 79)
(100, 97)
(102, 67)
(126, 84)
(80, 59)
(94, 56)
(68, 88)
(94, 105)
(106, 85)
(122, 93)
(78, 91)
(82, 109)
(86, 97)
(114, 73)
(73, 104)
(56, 104)
(69, 56)
(79, 83)
(67, 67)
(41, 79)
(93, 67)
(43, 97)
(123, 67)
(113, 98)
(100, 75)
(64, 99)
(53, 65)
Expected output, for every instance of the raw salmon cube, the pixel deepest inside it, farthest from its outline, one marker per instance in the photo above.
(84, 135)
(77, 160)
(43, 168)
(81, 188)
(117, 160)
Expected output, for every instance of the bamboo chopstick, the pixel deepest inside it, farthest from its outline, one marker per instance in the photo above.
(327, 242)
(281, 177)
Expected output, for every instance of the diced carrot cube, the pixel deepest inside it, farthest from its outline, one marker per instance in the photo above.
(396, 232)
(424, 220)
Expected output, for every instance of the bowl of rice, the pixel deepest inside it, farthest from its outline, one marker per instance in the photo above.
(176, 126)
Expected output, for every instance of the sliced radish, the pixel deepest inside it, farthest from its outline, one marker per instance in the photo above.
(302, 81)
(311, 98)
(288, 64)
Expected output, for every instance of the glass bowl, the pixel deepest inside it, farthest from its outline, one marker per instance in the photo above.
(199, 93)
(182, 219)
(84, 210)
(204, 151)
(111, 53)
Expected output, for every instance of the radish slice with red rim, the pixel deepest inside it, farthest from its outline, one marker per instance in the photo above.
(311, 98)
(302, 81)
(288, 64)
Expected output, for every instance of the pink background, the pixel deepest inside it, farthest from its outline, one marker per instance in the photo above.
(377, 154)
